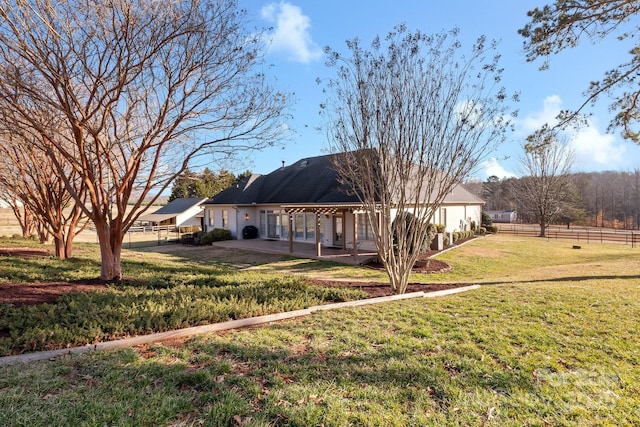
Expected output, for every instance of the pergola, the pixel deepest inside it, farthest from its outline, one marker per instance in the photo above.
(319, 211)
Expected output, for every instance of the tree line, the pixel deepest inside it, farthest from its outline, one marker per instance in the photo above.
(609, 199)
(206, 183)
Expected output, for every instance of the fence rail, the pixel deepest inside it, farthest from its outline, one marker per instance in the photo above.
(586, 235)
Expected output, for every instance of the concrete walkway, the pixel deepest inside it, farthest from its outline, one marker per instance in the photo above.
(300, 250)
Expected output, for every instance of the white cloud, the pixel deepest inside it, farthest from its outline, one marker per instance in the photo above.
(596, 151)
(548, 115)
(492, 167)
(291, 32)
(593, 149)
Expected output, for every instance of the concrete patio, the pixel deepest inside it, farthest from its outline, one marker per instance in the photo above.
(300, 250)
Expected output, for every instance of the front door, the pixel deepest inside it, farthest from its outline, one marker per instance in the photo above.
(338, 230)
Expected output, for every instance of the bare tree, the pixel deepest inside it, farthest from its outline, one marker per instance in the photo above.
(544, 189)
(28, 174)
(412, 119)
(145, 89)
(24, 217)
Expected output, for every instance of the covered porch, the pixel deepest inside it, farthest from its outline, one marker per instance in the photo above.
(336, 228)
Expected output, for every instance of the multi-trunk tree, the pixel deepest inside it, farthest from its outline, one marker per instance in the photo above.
(412, 117)
(144, 88)
(545, 189)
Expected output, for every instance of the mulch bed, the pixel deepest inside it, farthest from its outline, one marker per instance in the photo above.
(48, 292)
(24, 252)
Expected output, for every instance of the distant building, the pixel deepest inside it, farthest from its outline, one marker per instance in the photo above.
(503, 216)
(180, 213)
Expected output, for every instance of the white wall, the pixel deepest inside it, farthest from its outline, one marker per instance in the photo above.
(188, 217)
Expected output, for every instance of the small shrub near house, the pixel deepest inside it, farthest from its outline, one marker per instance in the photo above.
(215, 235)
(491, 229)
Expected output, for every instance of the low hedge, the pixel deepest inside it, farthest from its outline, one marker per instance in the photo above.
(120, 311)
(215, 235)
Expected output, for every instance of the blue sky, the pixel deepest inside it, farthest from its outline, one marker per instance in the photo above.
(300, 29)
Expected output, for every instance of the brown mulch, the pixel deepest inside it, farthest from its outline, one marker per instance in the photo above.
(24, 252)
(37, 293)
(382, 289)
(48, 292)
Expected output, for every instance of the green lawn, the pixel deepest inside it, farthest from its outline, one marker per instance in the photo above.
(549, 340)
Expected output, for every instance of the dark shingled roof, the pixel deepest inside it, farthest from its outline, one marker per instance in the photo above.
(308, 181)
(179, 206)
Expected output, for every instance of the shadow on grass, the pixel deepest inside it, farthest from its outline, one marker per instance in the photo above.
(296, 383)
(564, 279)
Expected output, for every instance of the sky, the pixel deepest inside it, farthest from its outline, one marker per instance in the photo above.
(299, 29)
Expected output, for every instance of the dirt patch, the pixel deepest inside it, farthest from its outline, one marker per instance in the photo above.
(382, 289)
(47, 292)
(24, 252)
(429, 265)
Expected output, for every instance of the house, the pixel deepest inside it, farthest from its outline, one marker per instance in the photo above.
(305, 202)
(502, 216)
(179, 213)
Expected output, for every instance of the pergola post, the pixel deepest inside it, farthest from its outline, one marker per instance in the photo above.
(344, 230)
(355, 236)
(318, 241)
(290, 232)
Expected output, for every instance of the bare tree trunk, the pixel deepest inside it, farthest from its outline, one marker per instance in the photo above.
(59, 246)
(24, 219)
(543, 230)
(43, 234)
(110, 252)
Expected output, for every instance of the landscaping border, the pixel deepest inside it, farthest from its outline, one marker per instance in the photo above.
(217, 327)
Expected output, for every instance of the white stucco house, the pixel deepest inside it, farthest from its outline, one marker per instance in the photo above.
(303, 202)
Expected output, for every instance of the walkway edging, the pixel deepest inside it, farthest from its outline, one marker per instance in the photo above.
(217, 327)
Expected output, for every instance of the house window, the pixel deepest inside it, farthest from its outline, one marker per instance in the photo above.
(211, 218)
(285, 226)
(365, 230)
(310, 219)
(298, 220)
(225, 218)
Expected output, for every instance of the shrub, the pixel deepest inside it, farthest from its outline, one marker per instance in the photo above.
(481, 231)
(423, 246)
(215, 235)
(491, 228)
(440, 228)
(486, 220)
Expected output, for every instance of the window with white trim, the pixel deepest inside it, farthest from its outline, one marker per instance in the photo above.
(365, 230)
(225, 218)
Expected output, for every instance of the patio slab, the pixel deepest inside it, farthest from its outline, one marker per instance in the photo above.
(300, 249)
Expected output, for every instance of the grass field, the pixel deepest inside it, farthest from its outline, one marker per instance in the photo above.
(549, 340)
